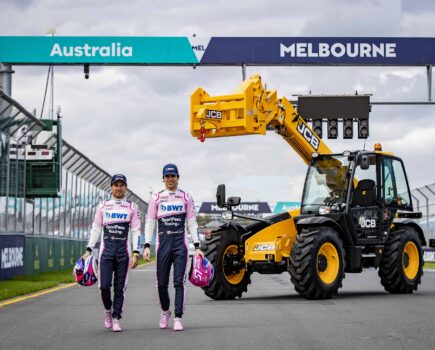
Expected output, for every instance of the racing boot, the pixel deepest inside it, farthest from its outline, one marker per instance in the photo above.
(108, 320)
(178, 325)
(164, 319)
(116, 326)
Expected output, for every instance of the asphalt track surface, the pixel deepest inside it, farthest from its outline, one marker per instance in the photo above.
(270, 316)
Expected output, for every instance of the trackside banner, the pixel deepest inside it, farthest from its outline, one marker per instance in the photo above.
(11, 255)
(243, 208)
(217, 50)
(286, 206)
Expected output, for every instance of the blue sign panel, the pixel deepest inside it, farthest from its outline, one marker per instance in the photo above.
(320, 51)
(11, 256)
(243, 208)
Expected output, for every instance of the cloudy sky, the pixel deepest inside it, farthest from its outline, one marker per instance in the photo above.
(136, 119)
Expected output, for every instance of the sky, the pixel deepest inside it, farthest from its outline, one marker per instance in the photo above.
(134, 120)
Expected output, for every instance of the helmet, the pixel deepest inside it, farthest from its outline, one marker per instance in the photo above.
(85, 271)
(201, 271)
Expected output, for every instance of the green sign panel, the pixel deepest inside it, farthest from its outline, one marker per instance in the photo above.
(96, 50)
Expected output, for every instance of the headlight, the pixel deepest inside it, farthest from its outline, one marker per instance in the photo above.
(324, 210)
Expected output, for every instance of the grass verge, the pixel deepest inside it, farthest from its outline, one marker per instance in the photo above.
(26, 284)
(429, 265)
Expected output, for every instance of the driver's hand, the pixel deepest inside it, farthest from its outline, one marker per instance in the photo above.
(199, 252)
(86, 255)
(146, 254)
(134, 261)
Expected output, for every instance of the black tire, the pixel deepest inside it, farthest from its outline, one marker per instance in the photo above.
(308, 264)
(221, 288)
(395, 261)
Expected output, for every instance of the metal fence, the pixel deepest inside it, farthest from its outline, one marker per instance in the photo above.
(84, 184)
(424, 201)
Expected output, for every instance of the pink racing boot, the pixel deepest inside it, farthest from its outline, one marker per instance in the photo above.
(164, 319)
(108, 320)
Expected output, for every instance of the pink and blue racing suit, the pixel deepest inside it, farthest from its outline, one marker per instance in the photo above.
(172, 211)
(117, 225)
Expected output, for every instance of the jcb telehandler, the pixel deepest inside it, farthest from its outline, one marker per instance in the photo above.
(356, 209)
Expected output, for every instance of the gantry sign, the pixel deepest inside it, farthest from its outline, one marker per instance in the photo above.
(29, 50)
(234, 51)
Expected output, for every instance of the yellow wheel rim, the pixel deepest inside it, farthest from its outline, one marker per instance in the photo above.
(328, 263)
(234, 278)
(410, 260)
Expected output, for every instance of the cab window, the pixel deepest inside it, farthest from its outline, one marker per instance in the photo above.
(396, 191)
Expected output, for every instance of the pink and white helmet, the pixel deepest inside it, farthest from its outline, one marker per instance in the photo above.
(201, 271)
(85, 271)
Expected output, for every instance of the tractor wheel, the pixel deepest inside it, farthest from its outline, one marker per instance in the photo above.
(317, 262)
(227, 283)
(401, 265)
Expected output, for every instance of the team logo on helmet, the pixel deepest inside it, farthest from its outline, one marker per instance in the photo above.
(201, 271)
(85, 271)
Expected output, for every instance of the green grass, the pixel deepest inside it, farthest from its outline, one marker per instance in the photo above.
(25, 284)
(429, 265)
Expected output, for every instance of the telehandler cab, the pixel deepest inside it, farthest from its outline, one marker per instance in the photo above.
(356, 209)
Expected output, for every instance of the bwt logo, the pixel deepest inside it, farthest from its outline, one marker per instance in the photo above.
(171, 207)
(115, 216)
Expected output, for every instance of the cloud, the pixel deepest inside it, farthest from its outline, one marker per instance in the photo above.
(136, 119)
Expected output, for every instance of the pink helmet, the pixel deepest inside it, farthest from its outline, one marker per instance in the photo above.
(201, 271)
(85, 271)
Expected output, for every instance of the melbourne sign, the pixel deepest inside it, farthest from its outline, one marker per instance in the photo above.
(11, 255)
(252, 208)
(320, 51)
(217, 50)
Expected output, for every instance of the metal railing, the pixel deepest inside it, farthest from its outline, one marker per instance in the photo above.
(424, 201)
(84, 183)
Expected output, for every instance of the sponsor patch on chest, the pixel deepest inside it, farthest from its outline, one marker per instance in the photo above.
(169, 208)
(116, 215)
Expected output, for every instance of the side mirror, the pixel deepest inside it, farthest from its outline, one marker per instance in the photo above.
(233, 201)
(227, 215)
(220, 196)
(365, 162)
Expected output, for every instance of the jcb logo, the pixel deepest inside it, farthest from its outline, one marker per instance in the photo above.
(262, 247)
(308, 134)
(213, 114)
(367, 223)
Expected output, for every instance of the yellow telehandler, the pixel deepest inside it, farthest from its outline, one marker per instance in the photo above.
(356, 209)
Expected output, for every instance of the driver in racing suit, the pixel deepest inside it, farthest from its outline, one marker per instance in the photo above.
(117, 224)
(172, 209)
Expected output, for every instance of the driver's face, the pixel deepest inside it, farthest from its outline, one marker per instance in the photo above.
(118, 189)
(171, 182)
